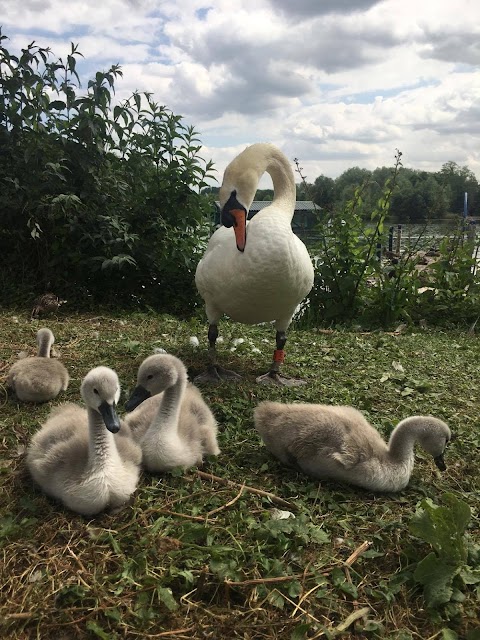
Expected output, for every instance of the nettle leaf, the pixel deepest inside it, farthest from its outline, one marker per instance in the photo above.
(165, 596)
(437, 578)
(276, 599)
(300, 632)
(340, 581)
(97, 630)
(449, 634)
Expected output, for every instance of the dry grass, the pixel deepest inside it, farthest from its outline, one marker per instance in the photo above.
(198, 557)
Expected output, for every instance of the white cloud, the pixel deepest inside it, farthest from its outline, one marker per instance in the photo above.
(336, 83)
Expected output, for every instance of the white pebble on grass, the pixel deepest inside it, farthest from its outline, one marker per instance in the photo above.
(279, 514)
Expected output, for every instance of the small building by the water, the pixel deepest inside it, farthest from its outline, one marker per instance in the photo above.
(305, 216)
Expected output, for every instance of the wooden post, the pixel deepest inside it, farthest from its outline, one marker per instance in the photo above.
(399, 238)
(390, 239)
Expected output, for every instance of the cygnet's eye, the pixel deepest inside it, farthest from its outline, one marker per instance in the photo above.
(150, 376)
(95, 391)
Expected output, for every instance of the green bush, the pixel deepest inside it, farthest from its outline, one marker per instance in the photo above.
(100, 203)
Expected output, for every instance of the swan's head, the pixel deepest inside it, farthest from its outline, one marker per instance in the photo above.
(234, 214)
(236, 194)
(155, 374)
(44, 333)
(433, 436)
(101, 391)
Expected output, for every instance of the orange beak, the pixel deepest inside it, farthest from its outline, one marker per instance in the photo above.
(240, 228)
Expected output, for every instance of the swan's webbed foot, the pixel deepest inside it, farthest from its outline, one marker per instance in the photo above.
(216, 374)
(276, 379)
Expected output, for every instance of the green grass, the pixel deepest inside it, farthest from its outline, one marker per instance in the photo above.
(195, 558)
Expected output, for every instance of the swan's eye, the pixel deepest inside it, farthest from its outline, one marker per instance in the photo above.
(149, 377)
(95, 391)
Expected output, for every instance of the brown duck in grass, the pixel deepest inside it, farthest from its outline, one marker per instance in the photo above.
(45, 304)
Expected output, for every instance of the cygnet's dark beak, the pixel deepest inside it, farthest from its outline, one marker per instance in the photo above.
(440, 462)
(110, 418)
(139, 394)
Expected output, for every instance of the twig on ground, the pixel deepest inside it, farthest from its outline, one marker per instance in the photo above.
(357, 553)
(226, 505)
(259, 492)
(272, 580)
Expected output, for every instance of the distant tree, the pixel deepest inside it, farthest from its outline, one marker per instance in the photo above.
(419, 197)
(264, 195)
(347, 183)
(324, 192)
(210, 191)
(304, 191)
(459, 180)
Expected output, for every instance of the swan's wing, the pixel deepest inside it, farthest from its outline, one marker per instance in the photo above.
(63, 423)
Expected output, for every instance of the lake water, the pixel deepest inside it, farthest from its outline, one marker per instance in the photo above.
(413, 236)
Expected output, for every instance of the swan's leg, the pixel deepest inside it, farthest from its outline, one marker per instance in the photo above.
(215, 373)
(274, 376)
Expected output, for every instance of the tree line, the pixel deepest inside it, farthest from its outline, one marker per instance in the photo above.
(419, 196)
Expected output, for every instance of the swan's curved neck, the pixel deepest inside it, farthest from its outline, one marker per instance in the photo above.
(101, 443)
(44, 346)
(284, 189)
(402, 441)
(168, 412)
(244, 172)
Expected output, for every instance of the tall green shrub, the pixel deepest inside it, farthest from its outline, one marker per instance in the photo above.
(98, 201)
(346, 259)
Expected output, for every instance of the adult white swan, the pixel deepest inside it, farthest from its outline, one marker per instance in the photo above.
(262, 271)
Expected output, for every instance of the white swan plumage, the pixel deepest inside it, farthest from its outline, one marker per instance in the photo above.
(85, 457)
(337, 442)
(262, 271)
(39, 378)
(170, 418)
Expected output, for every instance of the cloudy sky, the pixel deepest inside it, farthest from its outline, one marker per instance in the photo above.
(335, 83)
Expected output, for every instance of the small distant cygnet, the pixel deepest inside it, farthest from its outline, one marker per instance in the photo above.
(337, 442)
(176, 428)
(40, 378)
(86, 458)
